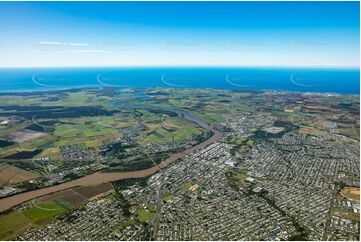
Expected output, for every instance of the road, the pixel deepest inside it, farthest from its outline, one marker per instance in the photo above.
(100, 177)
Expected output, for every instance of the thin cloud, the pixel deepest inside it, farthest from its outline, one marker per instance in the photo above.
(85, 51)
(59, 43)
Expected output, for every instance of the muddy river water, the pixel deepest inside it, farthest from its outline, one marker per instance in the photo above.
(100, 177)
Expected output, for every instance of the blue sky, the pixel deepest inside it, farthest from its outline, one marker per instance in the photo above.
(46, 34)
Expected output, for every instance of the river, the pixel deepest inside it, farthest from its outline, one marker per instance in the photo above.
(100, 177)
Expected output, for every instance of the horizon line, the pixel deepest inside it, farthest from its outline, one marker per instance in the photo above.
(188, 66)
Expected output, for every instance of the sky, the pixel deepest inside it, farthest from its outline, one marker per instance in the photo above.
(81, 34)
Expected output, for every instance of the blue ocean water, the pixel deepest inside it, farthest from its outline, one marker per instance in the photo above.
(343, 81)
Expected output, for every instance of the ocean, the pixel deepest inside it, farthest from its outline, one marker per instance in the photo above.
(342, 81)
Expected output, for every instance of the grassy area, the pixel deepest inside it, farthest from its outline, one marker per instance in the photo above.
(168, 197)
(152, 208)
(127, 223)
(12, 224)
(215, 117)
(242, 145)
(238, 179)
(169, 128)
(46, 210)
(144, 215)
(186, 186)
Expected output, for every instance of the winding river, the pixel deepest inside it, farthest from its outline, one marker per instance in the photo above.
(100, 177)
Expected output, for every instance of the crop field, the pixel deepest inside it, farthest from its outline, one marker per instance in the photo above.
(85, 117)
(13, 223)
(169, 128)
(82, 117)
(93, 191)
(41, 210)
(23, 135)
(77, 196)
(10, 175)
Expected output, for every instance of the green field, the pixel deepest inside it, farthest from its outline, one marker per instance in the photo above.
(168, 197)
(127, 223)
(12, 224)
(46, 210)
(144, 215)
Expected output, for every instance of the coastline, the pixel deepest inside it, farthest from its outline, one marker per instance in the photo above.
(314, 80)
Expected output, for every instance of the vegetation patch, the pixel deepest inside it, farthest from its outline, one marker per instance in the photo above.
(237, 179)
(46, 210)
(4, 143)
(144, 215)
(12, 224)
(127, 223)
(168, 197)
(186, 186)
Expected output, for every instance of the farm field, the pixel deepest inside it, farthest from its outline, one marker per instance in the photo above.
(11, 175)
(42, 210)
(13, 223)
(171, 128)
(79, 117)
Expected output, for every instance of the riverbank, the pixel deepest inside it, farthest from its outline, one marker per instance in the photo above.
(100, 178)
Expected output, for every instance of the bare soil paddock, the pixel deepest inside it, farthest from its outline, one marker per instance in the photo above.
(10, 175)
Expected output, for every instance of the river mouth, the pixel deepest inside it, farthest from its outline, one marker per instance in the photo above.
(100, 177)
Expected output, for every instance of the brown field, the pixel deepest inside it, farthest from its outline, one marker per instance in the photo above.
(23, 135)
(345, 214)
(93, 191)
(316, 108)
(78, 195)
(10, 175)
(351, 193)
(68, 196)
(304, 130)
(13, 222)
